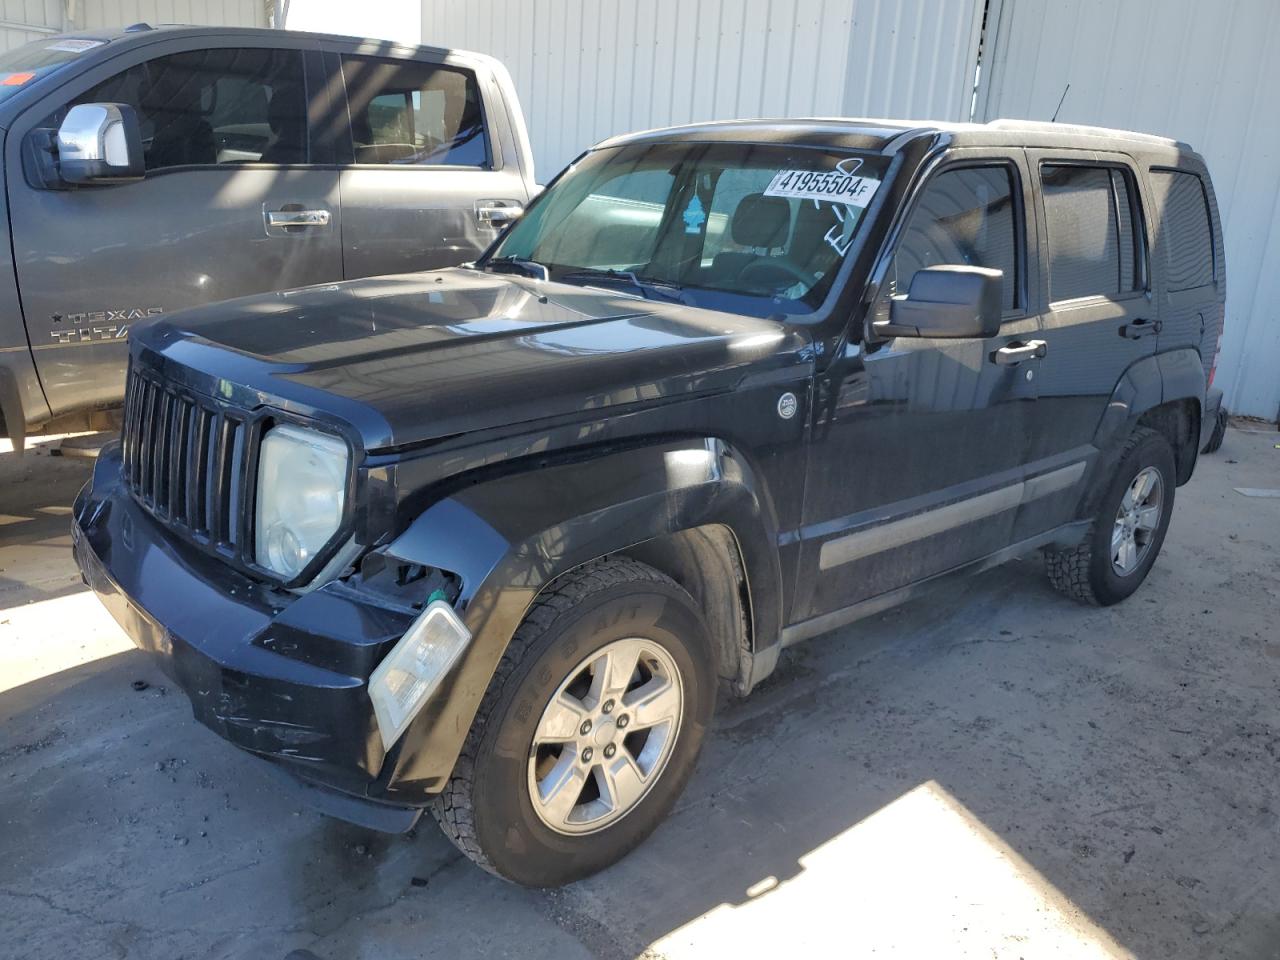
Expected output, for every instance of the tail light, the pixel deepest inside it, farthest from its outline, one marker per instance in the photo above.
(1217, 351)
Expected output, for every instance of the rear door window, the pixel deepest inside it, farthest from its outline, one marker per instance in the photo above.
(1095, 244)
(223, 106)
(964, 216)
(407, 113)
(1185, 229)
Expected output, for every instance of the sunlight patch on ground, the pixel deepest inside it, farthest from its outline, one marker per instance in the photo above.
(42, 440)
(922, 877)
(44, 638)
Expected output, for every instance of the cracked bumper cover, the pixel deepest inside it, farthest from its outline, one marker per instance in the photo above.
(281, 676)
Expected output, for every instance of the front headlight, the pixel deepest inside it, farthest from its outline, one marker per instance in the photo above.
(302, 489)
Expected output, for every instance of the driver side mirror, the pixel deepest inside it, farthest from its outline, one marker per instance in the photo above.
(100, 143)
(948, 301)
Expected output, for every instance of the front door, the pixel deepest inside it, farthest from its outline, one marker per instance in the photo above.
(428, 184)
(919, 444)
(230, 162)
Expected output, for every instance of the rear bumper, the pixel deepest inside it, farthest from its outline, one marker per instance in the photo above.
(281, 676)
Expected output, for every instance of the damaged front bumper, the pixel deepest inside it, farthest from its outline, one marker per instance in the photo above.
(280, 675)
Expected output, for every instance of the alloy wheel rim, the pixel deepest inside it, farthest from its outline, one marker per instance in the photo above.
(1136, 521)
(605, 736)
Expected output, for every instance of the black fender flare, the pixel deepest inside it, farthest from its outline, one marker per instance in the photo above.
(506, 538)
(1145, 385)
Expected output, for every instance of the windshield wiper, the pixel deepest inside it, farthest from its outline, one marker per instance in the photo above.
(514, 264)
(646, 285)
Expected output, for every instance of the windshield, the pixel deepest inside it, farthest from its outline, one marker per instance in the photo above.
(759, 229)
(21, 65)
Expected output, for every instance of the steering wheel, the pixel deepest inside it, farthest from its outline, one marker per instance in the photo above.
(785, 273)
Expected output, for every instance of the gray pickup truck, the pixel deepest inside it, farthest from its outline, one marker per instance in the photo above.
(147, 170)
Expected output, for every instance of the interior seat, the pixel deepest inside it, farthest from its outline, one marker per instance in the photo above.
(759, 222)
(287, 117)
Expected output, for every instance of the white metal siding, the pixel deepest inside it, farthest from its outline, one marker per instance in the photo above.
(586, 70)
(22, 21)
(1204, 73)
(92, 14)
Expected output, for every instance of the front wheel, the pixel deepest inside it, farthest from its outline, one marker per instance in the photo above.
(589, 730)
(1128, 528)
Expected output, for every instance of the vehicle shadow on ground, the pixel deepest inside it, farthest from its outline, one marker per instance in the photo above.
(36, 493)
(1105, 753)
(1122, 761)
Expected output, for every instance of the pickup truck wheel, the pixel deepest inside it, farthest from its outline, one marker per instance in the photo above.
(589, 730)
(1128, 528)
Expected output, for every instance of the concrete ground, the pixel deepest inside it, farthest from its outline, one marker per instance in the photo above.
(991, 772)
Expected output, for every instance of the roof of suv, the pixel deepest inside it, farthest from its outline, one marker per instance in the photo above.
(888, 136)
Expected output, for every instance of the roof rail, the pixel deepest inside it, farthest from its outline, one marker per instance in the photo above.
(1082, 129)
(139, 27)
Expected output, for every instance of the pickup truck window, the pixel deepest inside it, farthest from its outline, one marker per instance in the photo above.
(751, 228)
(220, 106)
(410, 113)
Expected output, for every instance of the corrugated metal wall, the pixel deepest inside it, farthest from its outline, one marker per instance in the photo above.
(1202, 72)
(27, 20)
(586, 69)
(91, 14)
(22, 21)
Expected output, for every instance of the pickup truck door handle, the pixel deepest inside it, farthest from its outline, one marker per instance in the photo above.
(1015, 353)
(498, 213)
(1141, 328)
(298, 218)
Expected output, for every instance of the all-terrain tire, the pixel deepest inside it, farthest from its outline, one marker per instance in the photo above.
(1219, 433)
(1086, 572)
(486, 808)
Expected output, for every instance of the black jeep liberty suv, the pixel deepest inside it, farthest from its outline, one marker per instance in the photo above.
(486, 540)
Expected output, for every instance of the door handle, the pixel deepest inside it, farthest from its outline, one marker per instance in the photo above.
(498, 213)
(298, 218)
(1141, 328)
(1015, 353)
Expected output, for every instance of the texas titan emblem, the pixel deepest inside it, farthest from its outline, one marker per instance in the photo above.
(100, 324)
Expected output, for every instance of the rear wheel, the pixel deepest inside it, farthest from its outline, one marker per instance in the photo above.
(1128, 528)
(589, 730)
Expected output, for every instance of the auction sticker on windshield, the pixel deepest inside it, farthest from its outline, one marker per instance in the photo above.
(74, 46)
(833, 186)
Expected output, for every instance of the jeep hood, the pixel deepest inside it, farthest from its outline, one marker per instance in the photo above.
(409, 359)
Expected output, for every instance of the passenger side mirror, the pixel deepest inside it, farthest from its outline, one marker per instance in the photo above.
(947, 301)
(100, 143)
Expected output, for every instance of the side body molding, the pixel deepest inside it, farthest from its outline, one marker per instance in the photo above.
(506, 539)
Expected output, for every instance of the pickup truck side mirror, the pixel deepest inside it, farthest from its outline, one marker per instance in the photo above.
(100, 143)
(947, 301)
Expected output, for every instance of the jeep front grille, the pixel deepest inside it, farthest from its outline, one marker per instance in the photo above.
(185, 461)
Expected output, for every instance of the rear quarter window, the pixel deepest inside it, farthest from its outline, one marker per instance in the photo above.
(1184, 229)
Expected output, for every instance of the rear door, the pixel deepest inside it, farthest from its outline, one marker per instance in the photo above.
(1100, 311)
(919, 444)
(231, 142)
(427, 180)
(1191, 290)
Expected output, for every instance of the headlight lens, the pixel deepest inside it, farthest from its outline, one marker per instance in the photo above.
(302, 489)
